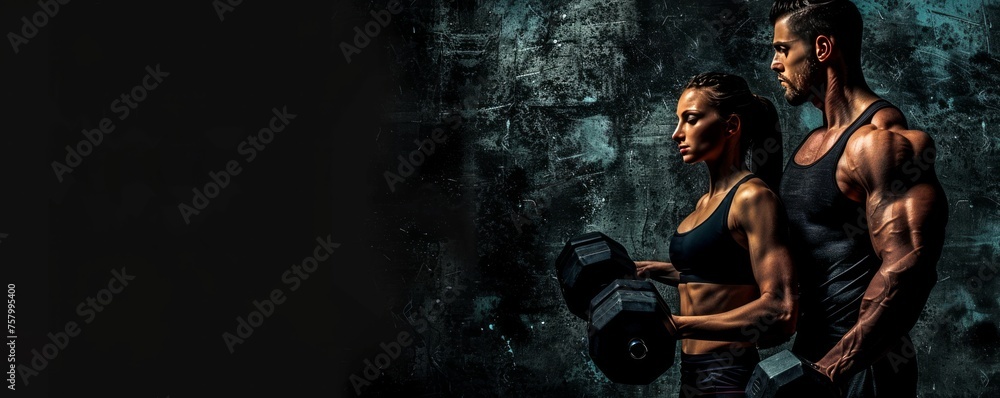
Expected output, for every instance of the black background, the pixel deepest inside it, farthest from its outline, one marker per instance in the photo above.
(564, 112)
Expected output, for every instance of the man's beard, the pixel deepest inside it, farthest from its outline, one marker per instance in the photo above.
(800, 90)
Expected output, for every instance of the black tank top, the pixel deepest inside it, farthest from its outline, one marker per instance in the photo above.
(829, 238)
(708, 252)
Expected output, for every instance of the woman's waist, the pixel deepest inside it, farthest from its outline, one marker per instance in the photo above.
(711, 299)
(726, 355)
(713, 347)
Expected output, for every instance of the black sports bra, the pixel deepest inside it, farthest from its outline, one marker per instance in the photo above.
(708, 252)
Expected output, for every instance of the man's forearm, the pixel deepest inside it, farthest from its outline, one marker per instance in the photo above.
(890, 307)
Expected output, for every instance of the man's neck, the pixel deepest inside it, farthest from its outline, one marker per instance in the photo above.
(844, 99)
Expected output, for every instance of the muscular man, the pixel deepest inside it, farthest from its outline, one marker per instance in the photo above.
(866, 212)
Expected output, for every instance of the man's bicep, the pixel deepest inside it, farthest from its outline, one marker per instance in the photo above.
(912, 220)
(904, 199)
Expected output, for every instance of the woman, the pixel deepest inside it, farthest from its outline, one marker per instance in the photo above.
(729, 257)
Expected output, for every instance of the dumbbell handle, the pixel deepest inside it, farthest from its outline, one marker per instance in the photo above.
(788, 375)
(637, 349)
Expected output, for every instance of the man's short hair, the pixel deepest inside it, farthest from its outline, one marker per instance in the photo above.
(811, 18)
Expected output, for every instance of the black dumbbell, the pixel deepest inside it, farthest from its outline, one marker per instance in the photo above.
(631, 332)
(787, 375)
(629, 328)
(587, 264)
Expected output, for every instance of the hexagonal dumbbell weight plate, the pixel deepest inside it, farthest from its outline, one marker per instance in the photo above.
(632, 336)
(586, 265)
(787, 375)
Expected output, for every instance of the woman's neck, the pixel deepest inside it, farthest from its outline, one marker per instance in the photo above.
(724, 173)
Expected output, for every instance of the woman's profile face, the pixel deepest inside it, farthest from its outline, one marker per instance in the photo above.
(700, 128)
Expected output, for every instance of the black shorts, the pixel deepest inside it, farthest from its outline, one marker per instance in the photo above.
(722, 374)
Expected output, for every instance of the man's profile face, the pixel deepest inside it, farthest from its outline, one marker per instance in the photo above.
(794, 63)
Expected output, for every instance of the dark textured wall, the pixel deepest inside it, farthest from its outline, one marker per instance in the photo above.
(567, 113)
(449, 152)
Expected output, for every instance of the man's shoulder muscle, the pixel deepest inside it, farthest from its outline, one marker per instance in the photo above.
(890, 119)
(875, 154)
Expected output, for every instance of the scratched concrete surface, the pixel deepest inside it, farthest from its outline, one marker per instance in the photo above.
(566, 113)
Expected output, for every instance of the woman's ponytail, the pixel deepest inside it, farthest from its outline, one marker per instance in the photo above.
(764, 154)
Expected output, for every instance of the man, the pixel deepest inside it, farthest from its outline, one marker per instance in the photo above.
(865, 207)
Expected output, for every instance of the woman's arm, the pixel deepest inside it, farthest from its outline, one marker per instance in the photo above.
(658, 271)
(770, 319)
